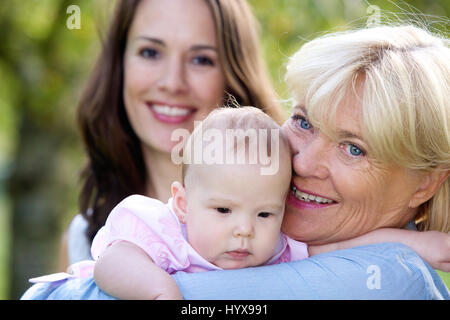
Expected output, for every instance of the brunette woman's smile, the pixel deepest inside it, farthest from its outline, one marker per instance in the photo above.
(170, 113)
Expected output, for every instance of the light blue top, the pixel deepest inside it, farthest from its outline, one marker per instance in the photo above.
(378, 271)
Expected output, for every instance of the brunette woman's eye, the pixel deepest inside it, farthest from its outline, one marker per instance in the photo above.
(203, 61)
(149, 53)
(223, 210)
(301, 122)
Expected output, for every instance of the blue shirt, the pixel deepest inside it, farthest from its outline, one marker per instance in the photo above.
(378, 271)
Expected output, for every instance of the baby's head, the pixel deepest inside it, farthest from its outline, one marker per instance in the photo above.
(232, 198)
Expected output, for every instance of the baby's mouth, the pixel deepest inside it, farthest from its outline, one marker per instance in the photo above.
(239, 253)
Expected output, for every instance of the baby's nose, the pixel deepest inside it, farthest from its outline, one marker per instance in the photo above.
(244, 230)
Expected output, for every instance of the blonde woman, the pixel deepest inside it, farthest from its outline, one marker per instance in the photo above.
(371, 149)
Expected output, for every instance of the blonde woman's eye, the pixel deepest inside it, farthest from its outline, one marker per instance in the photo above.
(301, 122)
(354, 150)
(223, 210)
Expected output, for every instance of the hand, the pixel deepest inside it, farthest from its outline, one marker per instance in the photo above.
(434, 248)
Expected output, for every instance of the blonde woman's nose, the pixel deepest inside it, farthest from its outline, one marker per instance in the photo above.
(312, 159)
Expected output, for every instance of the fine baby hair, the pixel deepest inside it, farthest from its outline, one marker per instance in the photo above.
(237, 135)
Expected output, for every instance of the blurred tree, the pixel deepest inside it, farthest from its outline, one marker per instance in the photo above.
(287, 24)
(40, 59)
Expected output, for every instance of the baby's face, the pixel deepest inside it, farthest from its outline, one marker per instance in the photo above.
(234, 213)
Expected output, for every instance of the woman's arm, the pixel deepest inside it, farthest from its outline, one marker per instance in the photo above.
(74, 246)
(379, 271)
(125, 271)
(63, 257)
(432, 246)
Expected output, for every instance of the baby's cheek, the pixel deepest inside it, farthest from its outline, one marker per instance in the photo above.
(205, 243)
(269, 244)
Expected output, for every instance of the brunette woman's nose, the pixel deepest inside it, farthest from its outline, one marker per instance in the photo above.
(173, 77)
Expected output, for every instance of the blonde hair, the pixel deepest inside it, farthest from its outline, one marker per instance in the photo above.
(405, 103)
(244, 118)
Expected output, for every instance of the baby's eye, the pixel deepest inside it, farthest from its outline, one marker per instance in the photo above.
(223, 210)
(354, 150)
(264, 214)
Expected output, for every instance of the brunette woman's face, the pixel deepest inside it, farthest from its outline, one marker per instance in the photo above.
(173, 76)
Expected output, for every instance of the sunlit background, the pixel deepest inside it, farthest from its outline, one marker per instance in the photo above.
(43, 67)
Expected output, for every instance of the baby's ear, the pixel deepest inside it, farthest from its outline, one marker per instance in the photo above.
(179, 201)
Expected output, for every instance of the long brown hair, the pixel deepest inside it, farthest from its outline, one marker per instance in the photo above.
(115, 167)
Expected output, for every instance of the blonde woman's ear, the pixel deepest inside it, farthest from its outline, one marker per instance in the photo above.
(179, 202)
(428, 187)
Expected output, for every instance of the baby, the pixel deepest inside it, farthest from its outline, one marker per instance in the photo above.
(225, 214)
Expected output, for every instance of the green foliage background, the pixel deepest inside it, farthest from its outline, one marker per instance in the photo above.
(43, 67)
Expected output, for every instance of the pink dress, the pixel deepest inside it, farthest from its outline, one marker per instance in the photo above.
(153, 226)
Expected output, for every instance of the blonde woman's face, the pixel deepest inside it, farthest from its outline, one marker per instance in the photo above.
(172, 71)
(338, 191)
